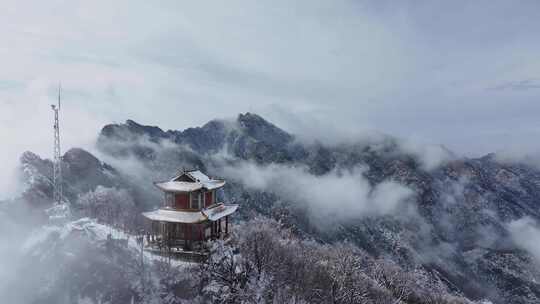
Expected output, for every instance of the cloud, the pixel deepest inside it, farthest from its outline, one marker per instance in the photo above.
(26, 123)
(410, 70)
(430, 156)
(519, 85)
(308, 129)
(525, 233)
(15, 227)
(519, 155)
(330, 198)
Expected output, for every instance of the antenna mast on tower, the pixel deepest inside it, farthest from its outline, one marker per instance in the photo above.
(57, 160)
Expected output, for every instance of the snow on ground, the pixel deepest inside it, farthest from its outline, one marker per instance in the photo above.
(95, 232)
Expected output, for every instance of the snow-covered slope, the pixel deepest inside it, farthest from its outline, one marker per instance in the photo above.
(82, 261)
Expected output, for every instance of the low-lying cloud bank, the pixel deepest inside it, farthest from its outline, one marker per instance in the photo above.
(308, 129)
(429, 156)
(515, 156)
(525, 233)
(336, 196)
(15, 228)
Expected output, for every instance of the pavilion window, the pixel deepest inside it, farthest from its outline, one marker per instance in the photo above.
(169, 199)
(195, 201)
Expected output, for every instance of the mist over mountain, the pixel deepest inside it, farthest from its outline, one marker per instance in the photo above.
(385, 152)
(459, 222)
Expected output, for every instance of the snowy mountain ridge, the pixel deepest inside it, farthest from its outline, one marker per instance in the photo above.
(456, 222)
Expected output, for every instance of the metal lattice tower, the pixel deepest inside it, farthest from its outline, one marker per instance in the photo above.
(57, 162)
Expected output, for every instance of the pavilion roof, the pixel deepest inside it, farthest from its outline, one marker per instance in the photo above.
(212, 213)
(173, 186)
(175, 216)
(216, 212)
(198, 180)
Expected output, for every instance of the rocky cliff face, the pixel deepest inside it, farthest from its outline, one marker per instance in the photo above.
(455, 226)
(81, 172)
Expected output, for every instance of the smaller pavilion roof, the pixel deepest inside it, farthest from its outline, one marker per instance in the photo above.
(216, 212)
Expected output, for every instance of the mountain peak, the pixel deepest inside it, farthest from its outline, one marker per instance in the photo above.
(29, 157)
(251, 117)
(78, 155)
(137, 128)
(263, 130)
(132, 123)
(130, 130)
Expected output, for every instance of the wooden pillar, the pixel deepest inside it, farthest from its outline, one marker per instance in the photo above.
(152, 231)
(219, 227)
(227, 225)
(183, 233)
(190, 235)
(201, 232)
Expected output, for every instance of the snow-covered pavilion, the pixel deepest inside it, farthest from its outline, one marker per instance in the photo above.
(191, 213)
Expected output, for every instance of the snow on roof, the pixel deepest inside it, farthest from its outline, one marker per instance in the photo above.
(213, 213)
(197, 175)
(173, 186)
(175, 216)
(200, 180)
(214, 184)
(219, 211)
(208, 182)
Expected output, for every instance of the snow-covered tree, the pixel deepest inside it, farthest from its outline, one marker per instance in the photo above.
(111, 205)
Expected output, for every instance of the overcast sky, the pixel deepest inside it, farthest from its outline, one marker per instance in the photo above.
(465, 74)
